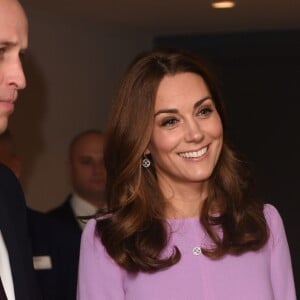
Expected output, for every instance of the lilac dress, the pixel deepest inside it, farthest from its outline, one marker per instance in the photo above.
(262, 275)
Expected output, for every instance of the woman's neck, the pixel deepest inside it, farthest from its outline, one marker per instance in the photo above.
(183, 200)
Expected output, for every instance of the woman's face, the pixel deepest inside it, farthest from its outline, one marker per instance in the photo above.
(187, 132)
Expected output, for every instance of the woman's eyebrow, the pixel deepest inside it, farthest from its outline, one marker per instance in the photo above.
(166, 111)
(199, 102)
(174, 110)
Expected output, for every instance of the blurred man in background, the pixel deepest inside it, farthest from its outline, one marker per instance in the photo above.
(88, 179)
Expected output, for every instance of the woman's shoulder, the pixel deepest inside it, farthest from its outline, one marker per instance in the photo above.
(271, 214)
(274, 221)
(90, 230)
(91, 240)
(98, 272)
(270, 210)
(90, 225)
(90, 233)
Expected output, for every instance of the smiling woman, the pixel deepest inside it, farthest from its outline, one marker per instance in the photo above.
(182, 216)
(186, 141)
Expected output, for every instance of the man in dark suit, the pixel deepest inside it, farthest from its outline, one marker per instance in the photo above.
(88, 178)
(13, 226)
(51, 241)
(16, 269)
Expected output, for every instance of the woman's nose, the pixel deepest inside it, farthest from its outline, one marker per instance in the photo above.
(193, 132)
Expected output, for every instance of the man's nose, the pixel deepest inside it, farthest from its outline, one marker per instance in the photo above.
(16, 76)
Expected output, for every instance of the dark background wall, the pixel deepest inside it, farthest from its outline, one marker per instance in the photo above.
(259, 73)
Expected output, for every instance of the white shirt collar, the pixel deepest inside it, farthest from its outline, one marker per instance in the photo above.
(82, 208)
(5, 270)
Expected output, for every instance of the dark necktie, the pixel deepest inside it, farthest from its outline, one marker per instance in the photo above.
(2, 292)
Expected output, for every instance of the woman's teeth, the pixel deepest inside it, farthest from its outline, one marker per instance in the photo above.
(194, 154)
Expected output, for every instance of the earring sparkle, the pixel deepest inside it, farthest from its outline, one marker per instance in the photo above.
(146, 162)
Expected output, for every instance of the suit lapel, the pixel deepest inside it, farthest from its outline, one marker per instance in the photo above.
(8, 230)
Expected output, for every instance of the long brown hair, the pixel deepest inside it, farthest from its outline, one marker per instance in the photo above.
(135, 233)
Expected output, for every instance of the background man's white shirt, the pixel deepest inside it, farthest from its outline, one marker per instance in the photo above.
(81, 207)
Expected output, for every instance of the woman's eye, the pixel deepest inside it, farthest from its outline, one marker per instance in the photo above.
(204, 112)
(168, 122)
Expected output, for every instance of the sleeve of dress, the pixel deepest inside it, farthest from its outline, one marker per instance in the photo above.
(281, 267)
(99, 277)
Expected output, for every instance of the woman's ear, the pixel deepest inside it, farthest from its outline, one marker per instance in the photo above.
(147, 151)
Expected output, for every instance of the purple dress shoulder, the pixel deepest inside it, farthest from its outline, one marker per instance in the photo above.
(261, 275)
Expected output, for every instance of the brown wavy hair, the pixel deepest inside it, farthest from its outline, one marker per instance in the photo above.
(135, 233)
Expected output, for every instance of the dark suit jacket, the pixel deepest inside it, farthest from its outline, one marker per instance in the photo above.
(64, 214)
(54, 242)
(13, 226)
